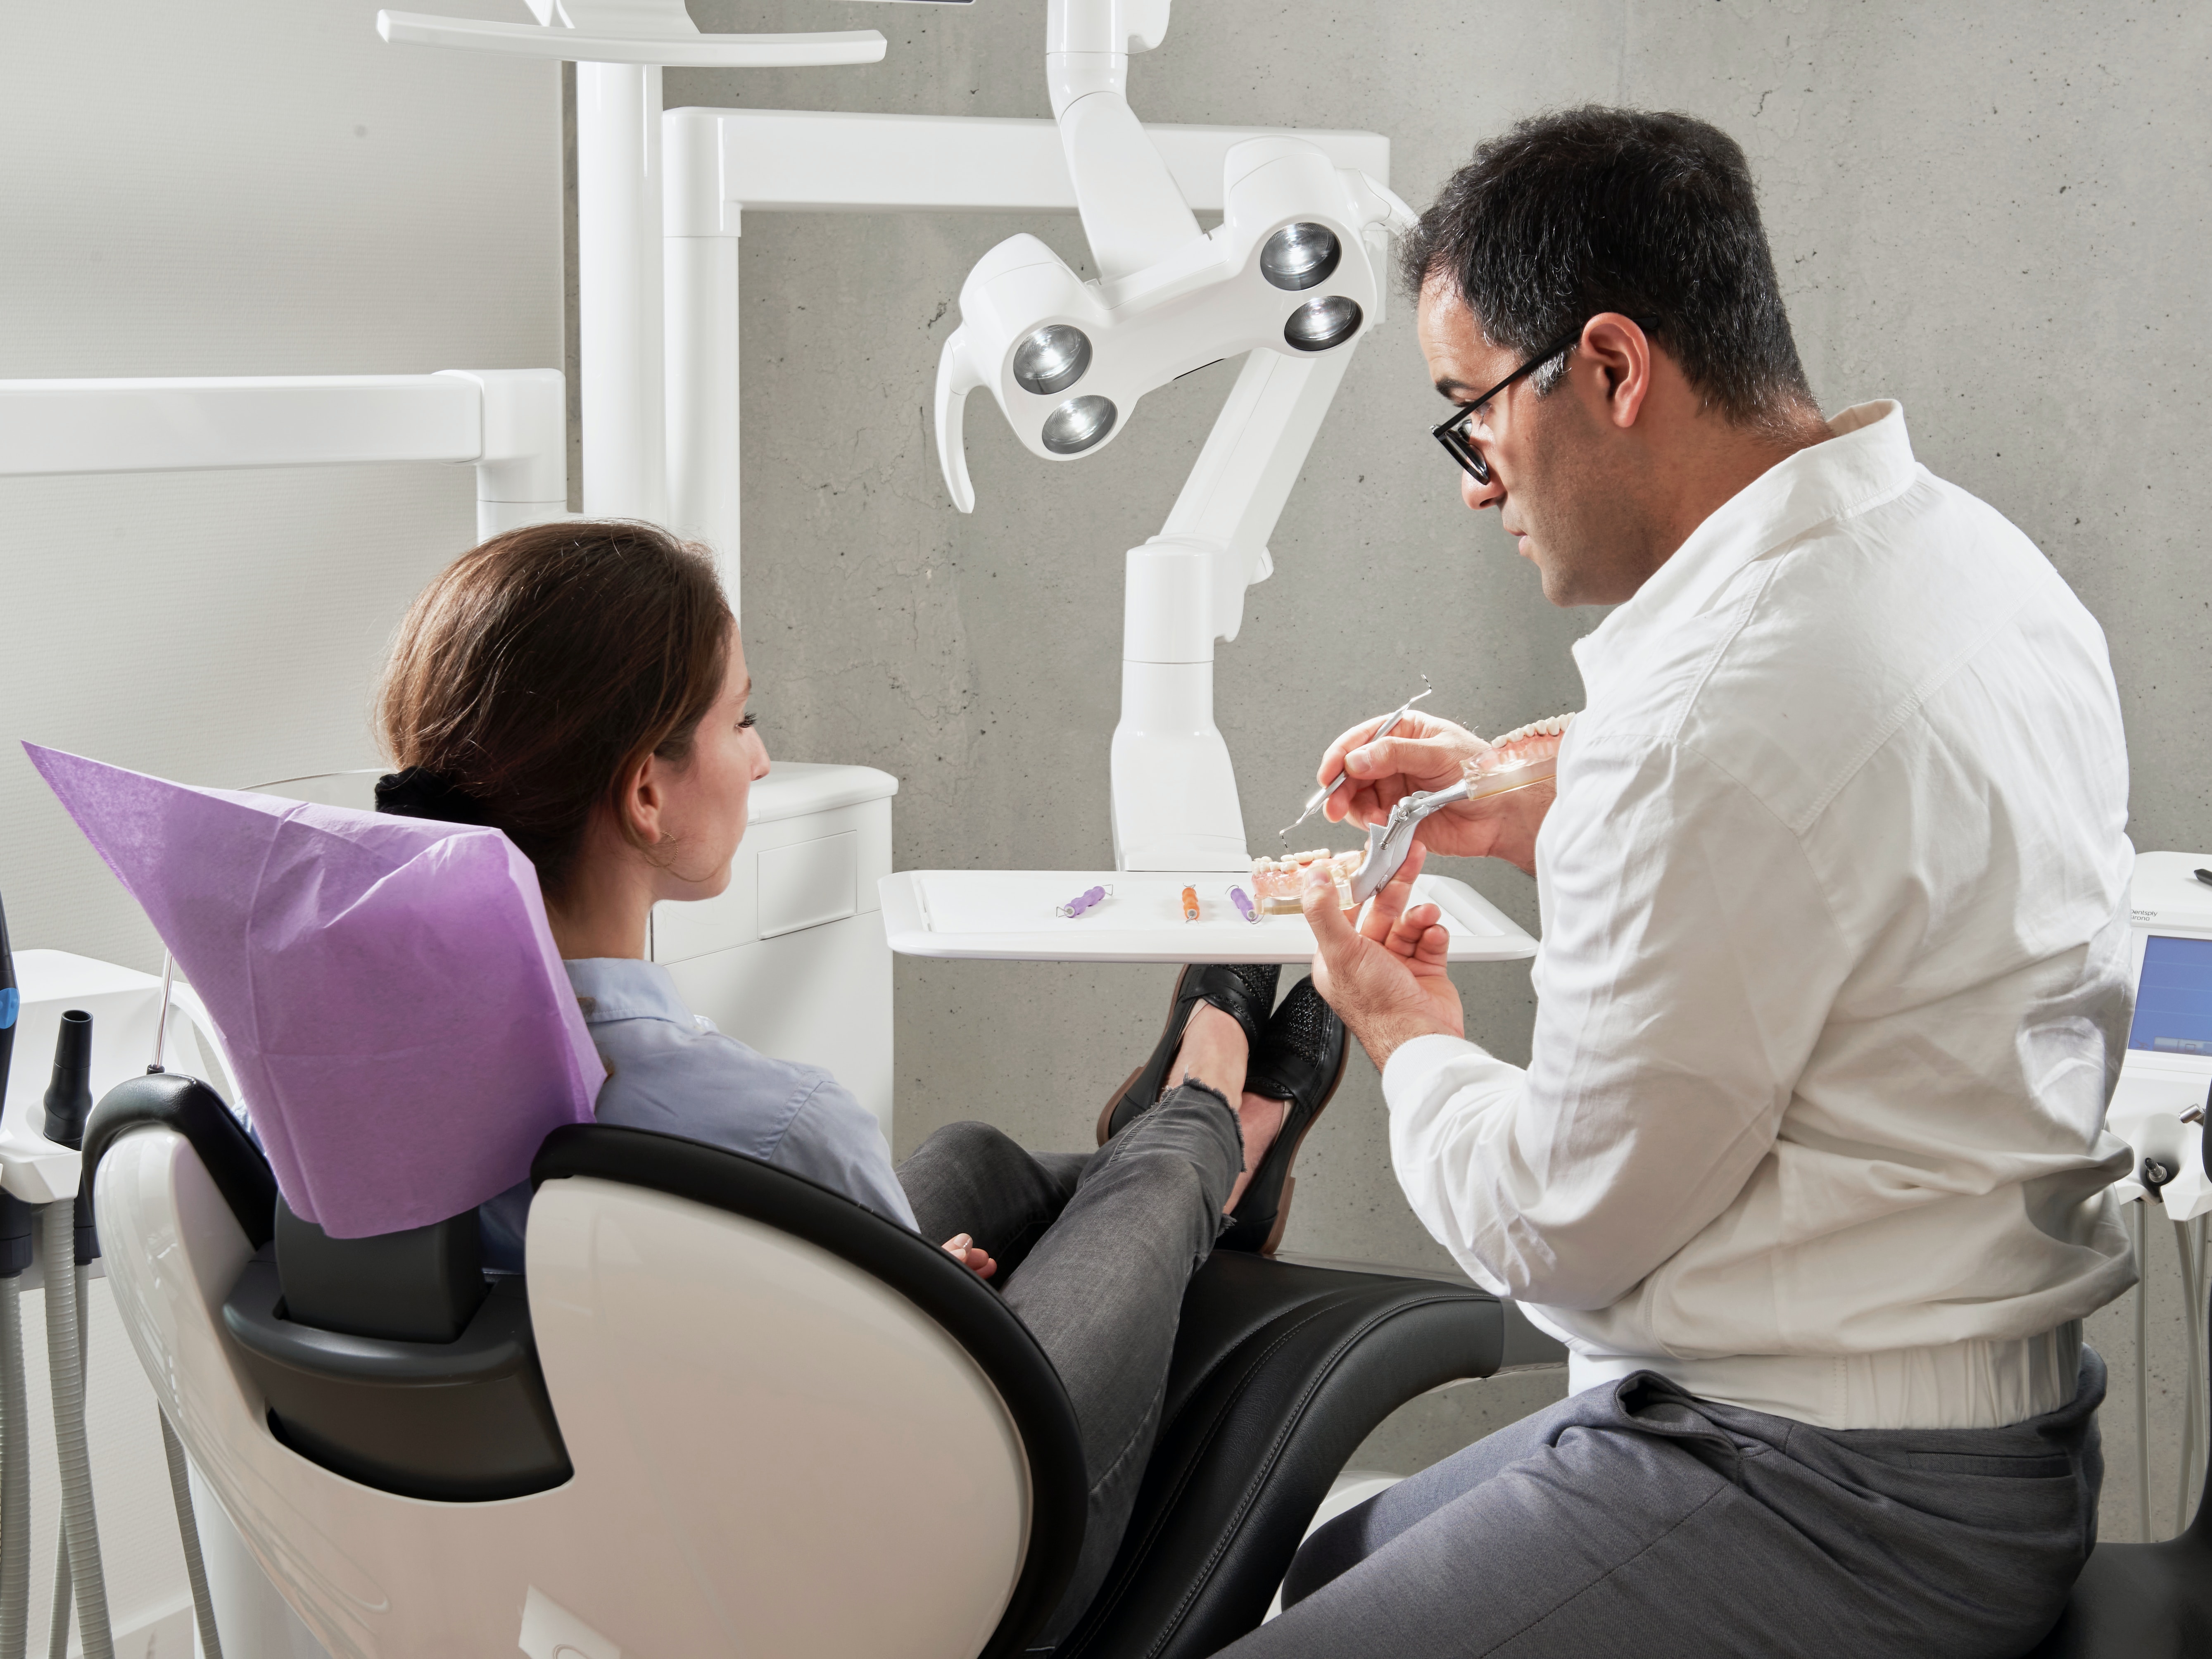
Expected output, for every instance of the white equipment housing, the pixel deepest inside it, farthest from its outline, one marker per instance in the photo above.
(2166, 1079)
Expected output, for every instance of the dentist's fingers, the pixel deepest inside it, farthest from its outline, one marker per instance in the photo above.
(1420, 935)
(1385, 908)
(1387, 769)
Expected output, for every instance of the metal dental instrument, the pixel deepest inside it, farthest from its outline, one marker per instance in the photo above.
(1495, 771)
(1314, 800)
(1388, 842)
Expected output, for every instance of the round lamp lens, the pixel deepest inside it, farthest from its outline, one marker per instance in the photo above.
(1077, 424)
(1052, 360)
(1319, 324)
(1300, 256)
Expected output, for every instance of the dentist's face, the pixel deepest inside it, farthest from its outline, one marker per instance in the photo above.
(1554, 474)
(704, 799)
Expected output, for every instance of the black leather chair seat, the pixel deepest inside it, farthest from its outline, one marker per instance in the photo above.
(2140, 1602)
(1280, 1372)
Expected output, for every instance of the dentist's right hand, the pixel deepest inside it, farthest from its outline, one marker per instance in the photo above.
(1427, 753)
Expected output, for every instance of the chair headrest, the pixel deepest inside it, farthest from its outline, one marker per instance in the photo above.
(388, 993)
(418, 1285)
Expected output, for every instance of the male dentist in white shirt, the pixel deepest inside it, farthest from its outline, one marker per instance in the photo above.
(1807, 1165)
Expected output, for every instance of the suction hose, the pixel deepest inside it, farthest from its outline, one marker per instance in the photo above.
(65, 1359)
(188, 1529)
(15, 1219)
(65, 1231)
(15, 1429)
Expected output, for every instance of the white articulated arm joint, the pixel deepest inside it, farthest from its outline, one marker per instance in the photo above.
(522, 470)
(1133, 214)
(957, 376)
(1234, 494)
(1386, 215)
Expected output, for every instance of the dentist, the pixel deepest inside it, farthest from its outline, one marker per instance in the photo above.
(1807, 1165)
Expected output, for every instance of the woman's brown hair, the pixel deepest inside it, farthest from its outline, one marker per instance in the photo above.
(540, 667)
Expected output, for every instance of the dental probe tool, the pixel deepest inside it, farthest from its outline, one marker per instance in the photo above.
(1315, 800)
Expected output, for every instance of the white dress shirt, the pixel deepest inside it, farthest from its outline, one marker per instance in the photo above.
(1832, 989)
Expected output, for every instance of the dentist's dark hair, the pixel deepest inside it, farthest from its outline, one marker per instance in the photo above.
(1593, 209)
(540, 667)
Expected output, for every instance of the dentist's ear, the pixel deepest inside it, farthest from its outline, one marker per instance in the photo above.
(1621, 353)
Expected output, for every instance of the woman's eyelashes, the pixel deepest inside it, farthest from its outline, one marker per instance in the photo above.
(749, 721)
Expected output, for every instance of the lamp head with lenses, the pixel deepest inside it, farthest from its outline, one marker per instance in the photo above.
(1297, 265)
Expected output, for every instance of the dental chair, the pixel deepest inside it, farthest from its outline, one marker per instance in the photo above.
(2142, 1600)
(725, 1412)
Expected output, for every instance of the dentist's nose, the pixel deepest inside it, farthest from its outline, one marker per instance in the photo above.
(1480, 495)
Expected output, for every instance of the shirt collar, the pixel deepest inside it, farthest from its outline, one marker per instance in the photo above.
(625, 987)
(1869, 458)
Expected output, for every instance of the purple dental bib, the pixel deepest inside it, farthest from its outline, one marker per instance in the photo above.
(398, 1020)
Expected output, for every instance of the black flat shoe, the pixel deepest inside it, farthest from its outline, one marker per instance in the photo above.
(1245, 991)
(1300, 1058)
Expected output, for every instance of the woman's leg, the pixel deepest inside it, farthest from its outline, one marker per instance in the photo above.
(971, 1178)
(1102, 1292)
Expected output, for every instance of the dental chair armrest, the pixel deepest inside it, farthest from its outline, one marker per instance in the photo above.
(963, 1306)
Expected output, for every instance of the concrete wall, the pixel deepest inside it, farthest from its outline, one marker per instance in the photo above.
(1996, 213)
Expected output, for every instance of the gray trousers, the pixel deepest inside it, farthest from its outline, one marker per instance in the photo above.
(1636, 1519)
(1094, 1252)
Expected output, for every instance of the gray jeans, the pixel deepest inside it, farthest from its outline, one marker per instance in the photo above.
(1094, 1251)
(1634, 1518)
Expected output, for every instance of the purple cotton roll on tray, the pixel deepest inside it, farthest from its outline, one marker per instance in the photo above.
(1081, 902)
(1238, 897)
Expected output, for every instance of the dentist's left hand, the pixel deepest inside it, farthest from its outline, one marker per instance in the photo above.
(964, 1250)
(1385, 978)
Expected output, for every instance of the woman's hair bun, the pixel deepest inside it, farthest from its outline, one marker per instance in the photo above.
(419, 793)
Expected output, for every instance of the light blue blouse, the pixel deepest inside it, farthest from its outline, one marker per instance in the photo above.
(669, 1069)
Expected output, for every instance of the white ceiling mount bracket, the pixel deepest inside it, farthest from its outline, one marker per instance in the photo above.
(639, 33)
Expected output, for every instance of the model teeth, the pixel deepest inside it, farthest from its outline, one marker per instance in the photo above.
(1276, 884)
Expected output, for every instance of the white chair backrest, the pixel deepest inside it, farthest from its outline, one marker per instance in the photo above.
(775, 1453)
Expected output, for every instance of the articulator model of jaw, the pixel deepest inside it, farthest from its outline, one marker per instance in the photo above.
(1293, 276)
(1523, 757)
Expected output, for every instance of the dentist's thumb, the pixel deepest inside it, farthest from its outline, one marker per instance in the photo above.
(1332, 924)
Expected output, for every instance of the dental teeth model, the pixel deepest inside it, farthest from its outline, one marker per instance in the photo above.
(1277, 883)
(1527, 755)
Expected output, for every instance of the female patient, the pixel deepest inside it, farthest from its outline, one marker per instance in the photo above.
(582, 687)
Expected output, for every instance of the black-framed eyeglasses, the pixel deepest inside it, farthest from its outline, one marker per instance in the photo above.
(1451, 431)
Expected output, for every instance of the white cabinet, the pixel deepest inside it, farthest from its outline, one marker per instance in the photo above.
(791, 959)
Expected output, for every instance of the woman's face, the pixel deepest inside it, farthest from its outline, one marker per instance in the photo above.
(703, 799)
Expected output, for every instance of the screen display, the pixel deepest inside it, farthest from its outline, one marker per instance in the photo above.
(2173, 998)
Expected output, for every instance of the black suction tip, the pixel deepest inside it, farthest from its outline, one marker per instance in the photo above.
(68, 1096)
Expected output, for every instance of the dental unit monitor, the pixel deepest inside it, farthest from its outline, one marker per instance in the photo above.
(2165, 1089)
(2173, 998)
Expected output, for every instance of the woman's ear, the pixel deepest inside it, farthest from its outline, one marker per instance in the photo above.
(642, 803)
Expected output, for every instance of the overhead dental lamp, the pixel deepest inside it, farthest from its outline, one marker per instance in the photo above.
(1293, 277)
(1295, 266)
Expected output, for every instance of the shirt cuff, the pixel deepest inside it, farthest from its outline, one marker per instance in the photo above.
(1415, 1065)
